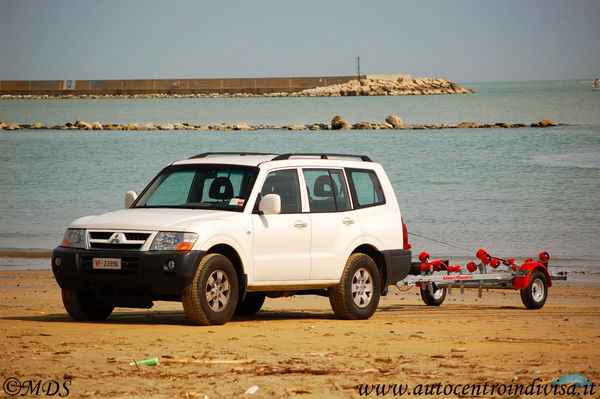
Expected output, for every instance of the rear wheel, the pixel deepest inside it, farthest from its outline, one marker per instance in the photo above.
(82, 306)
(251, 304)
(357, 294)
(212, 296)
(535, 294)
(433, 299)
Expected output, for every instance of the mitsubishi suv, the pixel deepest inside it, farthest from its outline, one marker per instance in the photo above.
(219, 232)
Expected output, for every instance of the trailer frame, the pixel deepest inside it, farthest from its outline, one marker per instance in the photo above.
(436, 278)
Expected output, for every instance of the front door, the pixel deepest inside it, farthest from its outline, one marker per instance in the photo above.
(282, 242)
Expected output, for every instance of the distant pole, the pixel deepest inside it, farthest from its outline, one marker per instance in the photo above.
(358, 68)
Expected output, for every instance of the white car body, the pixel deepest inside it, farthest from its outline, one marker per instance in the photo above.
(294, 251)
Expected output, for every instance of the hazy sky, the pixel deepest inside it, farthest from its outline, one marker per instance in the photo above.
(460, 40)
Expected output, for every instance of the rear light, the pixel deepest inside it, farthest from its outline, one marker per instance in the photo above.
(406, 245)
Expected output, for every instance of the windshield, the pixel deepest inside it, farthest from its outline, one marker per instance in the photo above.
(200, 186)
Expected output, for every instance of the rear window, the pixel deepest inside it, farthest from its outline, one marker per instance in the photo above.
(365, 188)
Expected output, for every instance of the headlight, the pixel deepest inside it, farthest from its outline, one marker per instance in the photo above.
(74, 238)
(173, 241)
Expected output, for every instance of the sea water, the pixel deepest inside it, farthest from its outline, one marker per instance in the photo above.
(513, 192)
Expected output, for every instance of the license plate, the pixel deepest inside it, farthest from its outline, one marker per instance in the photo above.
(106, 263)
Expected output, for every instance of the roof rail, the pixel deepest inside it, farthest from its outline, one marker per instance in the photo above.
(208, 154)
(321, 155)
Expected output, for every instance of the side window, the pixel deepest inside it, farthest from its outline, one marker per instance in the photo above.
(326, 190)
(365, 187)
(285, 183)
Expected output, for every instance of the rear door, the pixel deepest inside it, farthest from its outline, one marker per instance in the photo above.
(335, 226)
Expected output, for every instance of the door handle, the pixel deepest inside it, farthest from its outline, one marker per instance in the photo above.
(348, 221)
(300, 224)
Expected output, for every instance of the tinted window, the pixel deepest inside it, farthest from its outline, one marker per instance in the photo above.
(365, 187)
(326, 190)
(285, 184)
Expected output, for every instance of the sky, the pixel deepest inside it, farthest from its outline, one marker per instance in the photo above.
(459, 40)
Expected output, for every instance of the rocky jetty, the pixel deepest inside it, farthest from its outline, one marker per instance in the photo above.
(392, 122)
(386, 87)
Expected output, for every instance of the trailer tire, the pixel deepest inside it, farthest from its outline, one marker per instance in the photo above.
(435, 299)
(535, 294)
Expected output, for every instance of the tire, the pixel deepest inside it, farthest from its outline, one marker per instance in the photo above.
(358, 292)
(435, 299)
(251, 304)
(82, 306)
(212, 296)
(536, 293)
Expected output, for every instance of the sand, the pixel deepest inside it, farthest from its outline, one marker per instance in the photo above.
(295, 347)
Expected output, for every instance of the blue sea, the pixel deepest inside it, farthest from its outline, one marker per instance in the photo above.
(513, 192)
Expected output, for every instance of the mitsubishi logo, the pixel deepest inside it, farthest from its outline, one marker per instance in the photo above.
(117, 238)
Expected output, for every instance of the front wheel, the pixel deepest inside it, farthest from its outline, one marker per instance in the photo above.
(82, 306)
(212, 296)
(535, 294)
(357, 294)
(433, 299)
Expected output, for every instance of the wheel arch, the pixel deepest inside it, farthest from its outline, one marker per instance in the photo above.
(379, 260)
(234, 257)
(522, 282)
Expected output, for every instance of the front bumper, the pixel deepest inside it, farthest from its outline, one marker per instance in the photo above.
(142, 279)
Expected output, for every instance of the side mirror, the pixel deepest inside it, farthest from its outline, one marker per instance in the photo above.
(130, 198)
(270, 204)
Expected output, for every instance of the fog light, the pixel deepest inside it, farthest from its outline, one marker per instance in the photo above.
(169, 266)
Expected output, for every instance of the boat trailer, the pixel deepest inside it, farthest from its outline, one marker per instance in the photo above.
(436, 278)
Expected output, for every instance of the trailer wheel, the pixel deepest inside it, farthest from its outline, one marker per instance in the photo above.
(536, 293)
(435, 299)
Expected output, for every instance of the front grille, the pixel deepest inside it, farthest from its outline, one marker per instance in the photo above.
(119, 240)
(103, 245)
(137, 236)
(100, 235)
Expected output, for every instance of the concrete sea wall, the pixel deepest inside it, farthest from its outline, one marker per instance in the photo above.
(169, 86)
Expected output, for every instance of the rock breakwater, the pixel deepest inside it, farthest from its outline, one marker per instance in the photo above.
(386, 87)
(392, 122)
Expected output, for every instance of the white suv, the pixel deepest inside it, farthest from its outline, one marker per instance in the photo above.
(220, 231)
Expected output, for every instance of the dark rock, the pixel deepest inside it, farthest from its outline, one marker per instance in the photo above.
(543, 123)
(338, 123)
(363, 126)
(395, 121)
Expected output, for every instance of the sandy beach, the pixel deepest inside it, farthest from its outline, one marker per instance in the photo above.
(295, 347)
